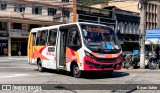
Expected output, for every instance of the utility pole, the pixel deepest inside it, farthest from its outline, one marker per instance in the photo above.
(143, 32)
(74, 11)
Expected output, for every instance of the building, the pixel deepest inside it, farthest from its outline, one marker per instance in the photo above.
(153, 15)
(152, 10)
(18, 17)
(96, 15)
(127, 27)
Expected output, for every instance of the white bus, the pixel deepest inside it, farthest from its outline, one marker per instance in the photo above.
(75, 47)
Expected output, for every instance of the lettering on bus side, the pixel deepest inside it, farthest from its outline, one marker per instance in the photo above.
(50, 53)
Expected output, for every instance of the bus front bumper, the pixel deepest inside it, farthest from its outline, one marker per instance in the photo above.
(92, 65)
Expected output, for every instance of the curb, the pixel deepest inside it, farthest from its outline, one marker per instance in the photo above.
(13, 57)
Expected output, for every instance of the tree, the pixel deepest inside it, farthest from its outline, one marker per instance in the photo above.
(91, 2)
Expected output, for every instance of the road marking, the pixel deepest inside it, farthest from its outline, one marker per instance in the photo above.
(19, 67)
(14, 75)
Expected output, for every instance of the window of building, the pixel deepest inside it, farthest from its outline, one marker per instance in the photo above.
(122, 27)
(137, 27)
(37, 10)
(52, 11)
(156, 9)
(18, 27)
(132, 28)
(41, 39)
(3, 26)
(19, 8)
(125, 27)
(3, 5)
(52, 37)
(65, 13)
(65, 0)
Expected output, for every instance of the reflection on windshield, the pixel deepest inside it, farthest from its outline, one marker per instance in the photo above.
(100, 37)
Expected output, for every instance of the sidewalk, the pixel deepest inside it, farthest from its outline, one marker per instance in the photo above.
(13, 57)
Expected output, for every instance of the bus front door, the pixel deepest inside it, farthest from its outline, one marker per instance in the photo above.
(62, 49)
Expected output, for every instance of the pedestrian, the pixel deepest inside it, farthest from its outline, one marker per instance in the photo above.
(19, 51)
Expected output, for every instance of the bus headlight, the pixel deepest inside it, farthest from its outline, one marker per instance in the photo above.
(90, 55)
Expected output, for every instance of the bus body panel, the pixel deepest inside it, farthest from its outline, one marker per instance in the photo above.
(30, 48)
(74, 56)
(48, 58)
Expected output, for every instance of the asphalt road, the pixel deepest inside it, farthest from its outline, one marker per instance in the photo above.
(17, 71)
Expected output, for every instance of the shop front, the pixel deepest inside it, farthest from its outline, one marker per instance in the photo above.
(19, 46)
(3, 47)
(19, 38)
(3, 39)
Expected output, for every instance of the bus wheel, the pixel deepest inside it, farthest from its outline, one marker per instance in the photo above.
(40, 68)
(76, 72)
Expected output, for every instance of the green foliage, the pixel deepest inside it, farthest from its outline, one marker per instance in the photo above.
(92, 2)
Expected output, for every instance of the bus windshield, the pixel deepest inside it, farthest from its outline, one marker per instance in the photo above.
(100, 37)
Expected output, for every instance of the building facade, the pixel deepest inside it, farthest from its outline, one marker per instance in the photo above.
(18, 17)
(152, 10)
(127, 27)
(96, 15)
(153, 15)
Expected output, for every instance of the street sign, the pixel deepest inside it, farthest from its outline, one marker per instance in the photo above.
(152, 33)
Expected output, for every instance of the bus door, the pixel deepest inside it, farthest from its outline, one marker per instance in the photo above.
(62, 48)
(31, 44)
(52, 46)
(68, 38)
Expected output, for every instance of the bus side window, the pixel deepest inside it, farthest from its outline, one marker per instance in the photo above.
(34, 39)
(38, 38)
(52, 37)
(74, 39)
(41, 38)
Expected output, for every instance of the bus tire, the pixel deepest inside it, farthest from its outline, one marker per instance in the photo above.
(40, 68)
(76, 72)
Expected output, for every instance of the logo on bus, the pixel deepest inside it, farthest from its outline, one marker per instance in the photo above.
(101, 55)
(50, 53)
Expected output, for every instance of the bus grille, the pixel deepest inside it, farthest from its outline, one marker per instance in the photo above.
(107, 59)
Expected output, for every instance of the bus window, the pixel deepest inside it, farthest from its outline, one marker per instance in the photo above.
(52, 37)
(37, 38)
(34, 39)
(41, 38)
(74, 39)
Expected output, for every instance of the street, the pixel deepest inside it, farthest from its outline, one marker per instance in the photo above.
(16, 70)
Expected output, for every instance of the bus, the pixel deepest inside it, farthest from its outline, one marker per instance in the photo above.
(75, 47)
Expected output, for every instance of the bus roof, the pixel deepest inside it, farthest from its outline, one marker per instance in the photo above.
(57, 26)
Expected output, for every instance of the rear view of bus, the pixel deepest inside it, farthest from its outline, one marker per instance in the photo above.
(102, 51)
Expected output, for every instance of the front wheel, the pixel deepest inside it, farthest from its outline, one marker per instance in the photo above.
(76, 72)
